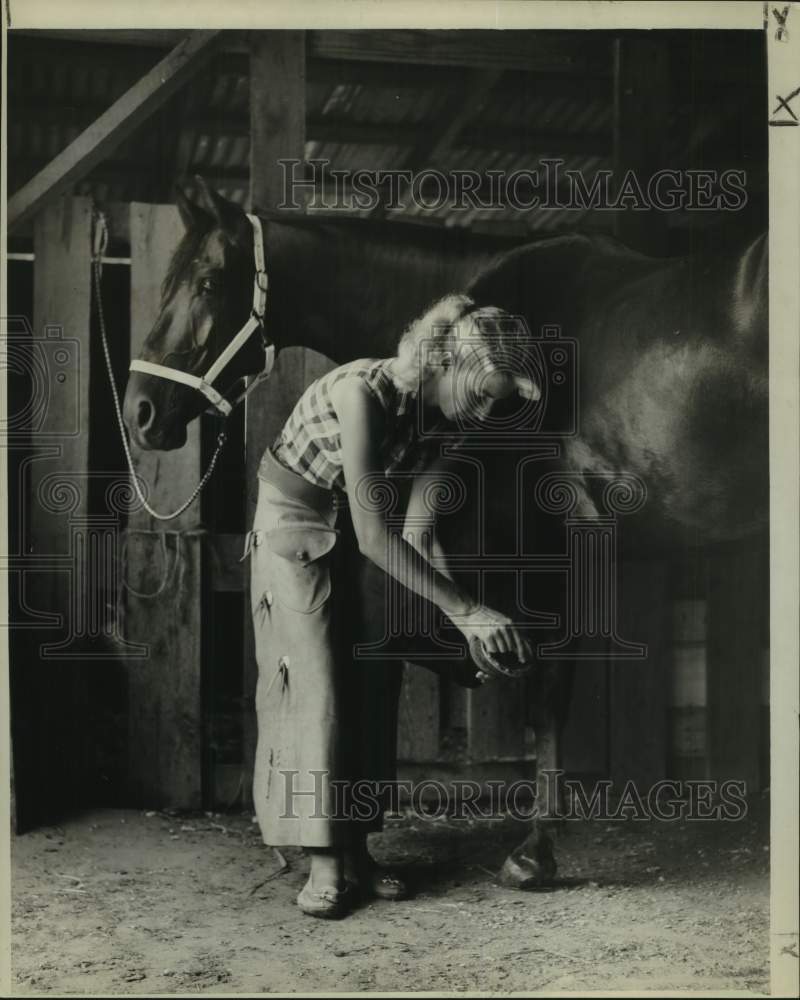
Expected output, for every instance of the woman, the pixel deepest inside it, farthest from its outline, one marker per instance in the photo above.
(327, 718)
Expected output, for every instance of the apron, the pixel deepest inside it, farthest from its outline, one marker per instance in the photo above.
(325, 719)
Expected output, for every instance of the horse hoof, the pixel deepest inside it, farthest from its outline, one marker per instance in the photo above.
(527, 873)
(496, 665)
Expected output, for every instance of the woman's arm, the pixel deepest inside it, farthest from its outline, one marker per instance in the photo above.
(362, 423)
(361, 420)
(419, 529)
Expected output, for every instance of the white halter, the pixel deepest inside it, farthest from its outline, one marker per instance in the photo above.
(255, 321)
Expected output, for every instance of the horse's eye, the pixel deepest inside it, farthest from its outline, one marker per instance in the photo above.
(208, 286)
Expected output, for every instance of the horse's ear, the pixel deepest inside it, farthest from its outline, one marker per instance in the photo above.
(229, 216)
(192, 215)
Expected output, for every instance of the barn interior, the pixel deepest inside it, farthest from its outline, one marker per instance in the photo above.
(132, 670)
(96, 725)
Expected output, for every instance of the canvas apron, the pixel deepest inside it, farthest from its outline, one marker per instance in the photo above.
(325, 719)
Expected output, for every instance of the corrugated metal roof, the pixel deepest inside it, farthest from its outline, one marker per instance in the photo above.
(56, 90)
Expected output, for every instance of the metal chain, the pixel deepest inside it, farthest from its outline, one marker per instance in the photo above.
(98, 250)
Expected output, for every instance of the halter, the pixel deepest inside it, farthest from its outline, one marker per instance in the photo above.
(255, 321)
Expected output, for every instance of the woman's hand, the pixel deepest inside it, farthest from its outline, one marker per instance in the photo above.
(496, 631)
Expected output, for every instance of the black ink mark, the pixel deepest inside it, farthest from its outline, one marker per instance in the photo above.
(8, 13)
(783, 103)
(782, 34)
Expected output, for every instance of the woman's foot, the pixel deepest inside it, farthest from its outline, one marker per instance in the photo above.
(325, 901)
(327, 892)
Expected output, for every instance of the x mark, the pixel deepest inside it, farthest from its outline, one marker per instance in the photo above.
(783, 102)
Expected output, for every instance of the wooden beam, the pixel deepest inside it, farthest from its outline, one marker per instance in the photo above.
(114, 125)
(557, 51)
(524, 50)
(701, 59)
(150, 38)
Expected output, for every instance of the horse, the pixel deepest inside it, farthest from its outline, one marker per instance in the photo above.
(671, 385)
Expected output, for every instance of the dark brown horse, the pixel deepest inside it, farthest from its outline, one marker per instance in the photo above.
(671, 383)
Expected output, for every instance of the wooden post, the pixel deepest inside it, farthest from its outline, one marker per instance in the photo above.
(164, 566)
(277, 131)
(61, 311)
(52, 714)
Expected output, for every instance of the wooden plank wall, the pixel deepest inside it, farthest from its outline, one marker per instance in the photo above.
(165, 564)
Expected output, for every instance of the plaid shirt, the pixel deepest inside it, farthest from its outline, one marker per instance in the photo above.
(310, 442)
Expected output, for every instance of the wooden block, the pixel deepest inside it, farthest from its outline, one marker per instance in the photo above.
(638, 688)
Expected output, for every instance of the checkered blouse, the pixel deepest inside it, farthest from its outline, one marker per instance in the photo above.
(310, 442)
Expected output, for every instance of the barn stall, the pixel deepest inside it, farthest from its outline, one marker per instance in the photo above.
(132, 663)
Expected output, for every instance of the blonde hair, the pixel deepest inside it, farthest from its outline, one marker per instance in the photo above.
(428, 338)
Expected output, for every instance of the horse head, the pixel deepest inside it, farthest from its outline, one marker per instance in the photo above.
(207, 299)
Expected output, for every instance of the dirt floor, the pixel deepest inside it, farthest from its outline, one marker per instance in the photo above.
(139, 903)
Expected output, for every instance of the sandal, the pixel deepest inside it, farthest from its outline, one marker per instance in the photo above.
(328, 903)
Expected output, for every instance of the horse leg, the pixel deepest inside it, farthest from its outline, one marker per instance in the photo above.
(532, 864)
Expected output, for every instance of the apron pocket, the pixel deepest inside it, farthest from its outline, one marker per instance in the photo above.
(302, 576)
